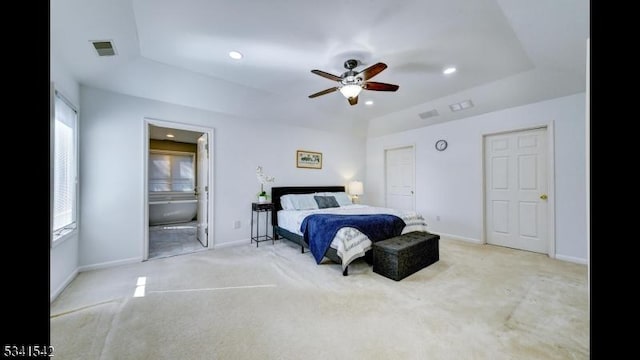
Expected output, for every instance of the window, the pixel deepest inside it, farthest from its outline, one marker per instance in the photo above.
(171, 171)
(65, 174)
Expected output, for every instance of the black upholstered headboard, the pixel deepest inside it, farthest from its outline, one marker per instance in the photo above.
(277, 192)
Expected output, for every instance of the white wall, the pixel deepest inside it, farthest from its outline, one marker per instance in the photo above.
(111, 169)
(449, 183)
(64, 257)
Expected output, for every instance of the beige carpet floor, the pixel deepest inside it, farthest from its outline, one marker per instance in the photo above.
(271, 302)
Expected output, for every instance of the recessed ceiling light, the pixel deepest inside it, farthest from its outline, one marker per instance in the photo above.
(235, 55)
(170, 136)
(449, 70)
(368, 102)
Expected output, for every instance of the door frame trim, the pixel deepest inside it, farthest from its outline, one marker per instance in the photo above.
(145, 177)
(413, 180)
(551, 201)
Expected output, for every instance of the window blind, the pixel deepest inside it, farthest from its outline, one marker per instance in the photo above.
(171, 172)
(64, 169)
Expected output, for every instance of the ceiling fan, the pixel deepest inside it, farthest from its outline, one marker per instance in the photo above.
(350, 83)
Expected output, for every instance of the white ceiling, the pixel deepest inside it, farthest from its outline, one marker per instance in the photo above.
(177, 51)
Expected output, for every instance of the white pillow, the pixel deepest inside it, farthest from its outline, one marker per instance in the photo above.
(341, 197)
(299, 202)
(286, 203)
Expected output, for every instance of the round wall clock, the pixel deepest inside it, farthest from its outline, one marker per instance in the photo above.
(441, 145)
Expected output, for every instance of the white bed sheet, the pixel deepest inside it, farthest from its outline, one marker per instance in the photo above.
(349, 242)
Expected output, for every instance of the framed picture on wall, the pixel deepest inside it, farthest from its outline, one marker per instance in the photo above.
(308, 159)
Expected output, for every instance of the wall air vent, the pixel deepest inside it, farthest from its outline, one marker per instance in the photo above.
(461, 105)
(428, 114)
(104, 47)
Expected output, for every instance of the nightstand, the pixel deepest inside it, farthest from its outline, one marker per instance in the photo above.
(265, 208)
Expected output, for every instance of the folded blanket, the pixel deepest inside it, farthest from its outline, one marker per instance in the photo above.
(319, 229)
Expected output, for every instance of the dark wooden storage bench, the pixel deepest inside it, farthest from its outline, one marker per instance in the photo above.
(403, 255)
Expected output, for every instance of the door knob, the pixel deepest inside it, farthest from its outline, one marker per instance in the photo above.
(543, 196)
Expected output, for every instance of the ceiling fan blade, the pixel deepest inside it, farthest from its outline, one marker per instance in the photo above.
(327, 75)
(353, 100)
(378, 86)
(323, 92)
(372, 70)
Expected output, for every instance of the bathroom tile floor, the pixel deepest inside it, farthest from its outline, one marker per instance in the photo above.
(173, 239)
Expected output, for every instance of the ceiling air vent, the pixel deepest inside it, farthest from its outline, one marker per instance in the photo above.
(461, 105)
(428, 114)
(104, 47)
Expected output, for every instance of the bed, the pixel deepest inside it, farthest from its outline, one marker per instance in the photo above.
(349, 243)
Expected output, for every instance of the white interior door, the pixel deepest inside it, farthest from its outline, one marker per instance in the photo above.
(399, 178)
(516, 190)
(202, 190)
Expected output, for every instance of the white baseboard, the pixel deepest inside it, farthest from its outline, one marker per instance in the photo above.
(572, 259)
(477, 241)
(109, 264)
(231, 244)
(456, 237)
(64, 284)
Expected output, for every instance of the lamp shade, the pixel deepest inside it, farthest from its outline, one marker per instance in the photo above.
(350, 91)
(356, 188)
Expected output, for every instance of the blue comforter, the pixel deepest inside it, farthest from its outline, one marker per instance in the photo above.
(320, 229)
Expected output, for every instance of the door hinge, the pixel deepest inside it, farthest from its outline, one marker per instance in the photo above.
(206, 188)
(206, 146)
(206, 230)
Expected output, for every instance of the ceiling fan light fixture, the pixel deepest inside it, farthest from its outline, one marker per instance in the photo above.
(350, 91)
(352, 82)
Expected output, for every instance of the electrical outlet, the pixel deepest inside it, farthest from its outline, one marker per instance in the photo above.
(236, 224)
(438, 218)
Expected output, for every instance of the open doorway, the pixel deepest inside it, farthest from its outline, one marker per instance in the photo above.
(177, 180)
